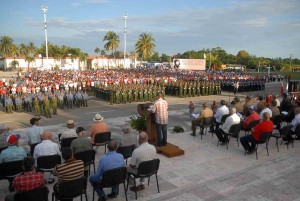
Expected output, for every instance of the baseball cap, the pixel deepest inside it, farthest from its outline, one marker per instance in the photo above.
(13, 139)
(79, 129)
(33, 120)
(252, 107)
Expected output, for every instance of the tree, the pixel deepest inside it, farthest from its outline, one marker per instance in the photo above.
(6, 45)
(165, 58)
(145, 46)
(97, 50)
(113, 42)
(242, 54)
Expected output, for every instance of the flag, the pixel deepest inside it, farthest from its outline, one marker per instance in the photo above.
(281, 88)
(204, 56)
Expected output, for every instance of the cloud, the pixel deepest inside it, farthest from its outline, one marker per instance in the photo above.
(97, 1)
(75, 4)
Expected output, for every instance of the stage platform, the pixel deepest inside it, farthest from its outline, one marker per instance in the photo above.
(170, 150)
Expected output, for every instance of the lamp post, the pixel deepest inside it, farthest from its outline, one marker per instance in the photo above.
(125, 18)
(291, 55)
(44, 9)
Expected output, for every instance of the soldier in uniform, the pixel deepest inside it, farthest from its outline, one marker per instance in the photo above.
(36, 106)
(70, 99)
(46, 104)
(84, 99)
(18, 102)
(54, 105)
(28, 103)
(118, 95)
(8, 104)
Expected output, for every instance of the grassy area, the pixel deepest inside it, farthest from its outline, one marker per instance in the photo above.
(295, 75)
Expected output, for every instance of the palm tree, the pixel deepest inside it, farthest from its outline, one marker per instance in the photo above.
(113, 42)
(145, 46)
(6, 45)
(97, 50)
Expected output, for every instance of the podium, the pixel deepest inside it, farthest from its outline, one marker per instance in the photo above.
(151, 129)
(150, 119)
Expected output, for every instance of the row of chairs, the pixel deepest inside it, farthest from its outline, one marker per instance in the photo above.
(77, 187)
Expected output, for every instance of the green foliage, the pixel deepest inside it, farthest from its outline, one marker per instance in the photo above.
(178, 129)
(138, 122)
(145, 46)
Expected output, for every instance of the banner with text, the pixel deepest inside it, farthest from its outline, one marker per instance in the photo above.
(189, 64)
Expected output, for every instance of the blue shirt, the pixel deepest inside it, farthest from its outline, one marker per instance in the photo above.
(12, 153)
(109, 161)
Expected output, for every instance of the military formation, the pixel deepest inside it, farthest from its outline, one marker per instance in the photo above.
(117, 94)
(43, 103)
(183, 89)
(242, 85)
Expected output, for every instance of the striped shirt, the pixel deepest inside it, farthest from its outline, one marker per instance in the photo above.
(160, 108)
(69, 170)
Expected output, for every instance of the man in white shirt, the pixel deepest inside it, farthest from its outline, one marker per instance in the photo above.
(46, 148)
(144, 152)
(222, 110)
(222, 133)
(33, 134)
(265, 108)
(70, 132)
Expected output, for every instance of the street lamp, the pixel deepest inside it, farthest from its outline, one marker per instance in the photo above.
(44, 9)
(125, 18)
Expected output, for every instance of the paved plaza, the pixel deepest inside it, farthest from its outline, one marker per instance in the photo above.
(205, 171)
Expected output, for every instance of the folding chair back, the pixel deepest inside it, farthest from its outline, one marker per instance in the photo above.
(37, 194)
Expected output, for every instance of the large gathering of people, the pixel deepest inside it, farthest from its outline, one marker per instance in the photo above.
(40, 92)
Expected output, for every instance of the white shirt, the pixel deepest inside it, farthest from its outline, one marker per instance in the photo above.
(295, 122)
(220, 112)
(47, 147)
(33, 134)
(261, 114)
(144, 152)
(231, 120)
(70, 132)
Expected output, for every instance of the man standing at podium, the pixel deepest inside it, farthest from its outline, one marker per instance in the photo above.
(160, 109)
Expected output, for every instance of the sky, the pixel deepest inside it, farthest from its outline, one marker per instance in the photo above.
(264, 28)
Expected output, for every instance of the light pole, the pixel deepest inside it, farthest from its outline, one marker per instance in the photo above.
(125, 18)
(291, 55)
(44, 9)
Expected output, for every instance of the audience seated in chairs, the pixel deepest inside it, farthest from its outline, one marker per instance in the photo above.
(12, 153)
(274, 108)
(71, 169)
(252, 117)
(259, 104)
(144, 152)
(266, 126)
(127, 137)
(295, 122)
(99, 126)
(45, 148)
(222, 110)
(30, 179)
(222, 133)
(265, 109)
(237, 104)
(109, 161)
(205, 113)
(82, 143)
(70, 132)
(247, 104)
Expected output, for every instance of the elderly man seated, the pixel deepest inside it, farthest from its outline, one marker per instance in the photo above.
(206, 112)
(127, 137)
(70, 132)
(222, 133)
(222, 110)
(265, 108)
(252, 117)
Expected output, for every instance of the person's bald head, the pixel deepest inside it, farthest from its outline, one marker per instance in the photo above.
(266, 116)
(47, 135)
(143, 137)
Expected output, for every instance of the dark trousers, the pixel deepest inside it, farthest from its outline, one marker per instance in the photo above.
(161, 130)
(248, 142)
(222, 136)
